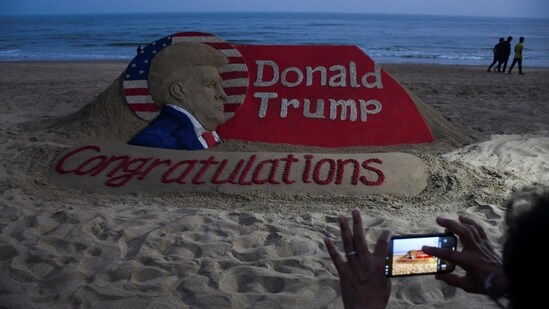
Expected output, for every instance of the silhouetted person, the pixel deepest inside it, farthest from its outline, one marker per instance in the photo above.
(521, 276)
(518, 55)
(505, 53)
(497, 56)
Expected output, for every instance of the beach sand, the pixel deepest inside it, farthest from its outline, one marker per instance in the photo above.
(64, 248)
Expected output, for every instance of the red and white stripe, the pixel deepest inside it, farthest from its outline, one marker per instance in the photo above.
(139, 99)
(234, 78)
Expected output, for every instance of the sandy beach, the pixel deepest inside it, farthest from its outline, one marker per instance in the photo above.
(64, 248)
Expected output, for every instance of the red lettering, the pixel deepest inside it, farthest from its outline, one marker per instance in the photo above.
(380, 175)
(218, 171)
(290, 159)
(272, 172)
(157, 162)
(115, 170)
(130, 172)
(207, 164)
(81, 169)
(236, 171)
(181, 178)
(247, 169)
(60, 165)
(307, 170)
(341, 171)
(330, 174)
(120, 170)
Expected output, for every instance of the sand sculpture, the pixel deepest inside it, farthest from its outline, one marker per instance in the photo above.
(416, 256)
(184, 80)
(171, 75)
(126, 106)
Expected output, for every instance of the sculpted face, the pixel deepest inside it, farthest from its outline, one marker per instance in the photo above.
(186, 74)
(204, 97)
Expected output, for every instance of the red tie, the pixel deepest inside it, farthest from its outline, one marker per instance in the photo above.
(209, 138)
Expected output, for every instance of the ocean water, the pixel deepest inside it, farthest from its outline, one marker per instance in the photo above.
(385, 38)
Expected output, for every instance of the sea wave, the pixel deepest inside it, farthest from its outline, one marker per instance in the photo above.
(9, 52)
(410, 54)
(125, 44)
(58, 56)
(429, 39)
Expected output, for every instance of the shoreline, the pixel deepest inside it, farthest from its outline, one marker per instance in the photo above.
(395, 63)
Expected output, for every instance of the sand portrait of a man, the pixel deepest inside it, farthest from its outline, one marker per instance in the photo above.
(184, 80)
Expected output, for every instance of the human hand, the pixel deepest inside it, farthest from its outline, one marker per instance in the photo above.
(483, 267)
(362, 277)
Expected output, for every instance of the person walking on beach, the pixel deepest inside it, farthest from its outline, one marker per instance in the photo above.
(518, 55)
(497, 52)
(505, 52)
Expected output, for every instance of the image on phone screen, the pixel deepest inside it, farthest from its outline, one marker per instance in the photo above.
(406, 258)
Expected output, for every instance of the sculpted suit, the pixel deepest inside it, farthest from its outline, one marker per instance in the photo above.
(175, 128)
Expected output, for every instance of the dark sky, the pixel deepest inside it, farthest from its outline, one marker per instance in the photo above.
(496, 8)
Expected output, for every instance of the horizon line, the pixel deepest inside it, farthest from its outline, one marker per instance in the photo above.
(279, 12)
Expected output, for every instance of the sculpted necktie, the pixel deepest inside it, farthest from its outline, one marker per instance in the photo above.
(209, 138)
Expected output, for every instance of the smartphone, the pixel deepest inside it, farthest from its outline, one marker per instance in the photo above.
(405, 257)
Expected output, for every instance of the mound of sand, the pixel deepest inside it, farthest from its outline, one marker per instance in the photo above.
(106, 118)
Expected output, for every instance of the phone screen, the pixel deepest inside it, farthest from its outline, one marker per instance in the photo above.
(406, 258)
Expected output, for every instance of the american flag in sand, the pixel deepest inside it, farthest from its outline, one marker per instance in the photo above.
(136, 87)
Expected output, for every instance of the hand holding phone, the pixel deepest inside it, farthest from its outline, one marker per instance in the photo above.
(405, 257)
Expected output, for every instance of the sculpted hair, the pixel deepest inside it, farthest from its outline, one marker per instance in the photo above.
(524, 257)
(173, 63)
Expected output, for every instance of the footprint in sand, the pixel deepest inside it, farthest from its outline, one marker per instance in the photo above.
(98, 228)
(490, 211)
(251, 280)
